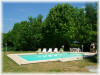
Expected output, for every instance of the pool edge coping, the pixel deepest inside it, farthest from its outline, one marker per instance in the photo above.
(21, 61)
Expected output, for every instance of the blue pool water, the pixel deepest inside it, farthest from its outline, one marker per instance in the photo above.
(49, 56)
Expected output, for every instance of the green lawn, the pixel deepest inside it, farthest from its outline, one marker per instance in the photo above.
(71, 66)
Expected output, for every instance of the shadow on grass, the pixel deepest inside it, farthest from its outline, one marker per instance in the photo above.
(93, 59)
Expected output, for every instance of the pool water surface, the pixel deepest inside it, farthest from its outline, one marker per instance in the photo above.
(49, 56)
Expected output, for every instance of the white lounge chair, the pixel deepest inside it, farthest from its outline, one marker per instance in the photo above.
(55, 50)
(50, 50)
(44, 50)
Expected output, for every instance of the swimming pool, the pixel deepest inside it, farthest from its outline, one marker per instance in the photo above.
(27, 58)
(38, 57)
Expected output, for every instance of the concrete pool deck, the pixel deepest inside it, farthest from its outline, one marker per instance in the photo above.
(21, 61)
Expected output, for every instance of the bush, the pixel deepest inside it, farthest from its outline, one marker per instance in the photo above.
(9, 49)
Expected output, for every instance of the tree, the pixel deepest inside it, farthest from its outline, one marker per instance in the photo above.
(91, 15)
(25, 35)
(91, 18)
(60, 25)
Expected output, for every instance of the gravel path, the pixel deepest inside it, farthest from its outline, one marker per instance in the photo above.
(92, 69)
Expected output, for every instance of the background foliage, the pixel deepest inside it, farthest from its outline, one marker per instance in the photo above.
(63, 25)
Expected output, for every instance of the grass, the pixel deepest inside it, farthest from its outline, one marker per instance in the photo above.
(71, 66)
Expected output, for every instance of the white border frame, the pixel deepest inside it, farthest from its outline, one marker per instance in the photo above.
(46, 1)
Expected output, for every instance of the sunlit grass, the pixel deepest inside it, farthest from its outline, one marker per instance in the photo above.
(71, 66)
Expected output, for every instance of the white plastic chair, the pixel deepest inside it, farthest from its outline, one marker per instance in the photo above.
(71, 50)
(44, 50)
(56, 50)
(50, 50)
(79, 50)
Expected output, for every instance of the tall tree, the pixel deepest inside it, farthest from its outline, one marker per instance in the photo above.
(91, 15)
(60, 25)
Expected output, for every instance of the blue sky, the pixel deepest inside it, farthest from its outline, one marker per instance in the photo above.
(16, 12)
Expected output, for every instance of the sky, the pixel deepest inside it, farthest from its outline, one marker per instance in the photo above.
(17, 12)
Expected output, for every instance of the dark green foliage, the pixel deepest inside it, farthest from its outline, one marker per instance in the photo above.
(63, 25)
(59, 25)
(93, 58)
